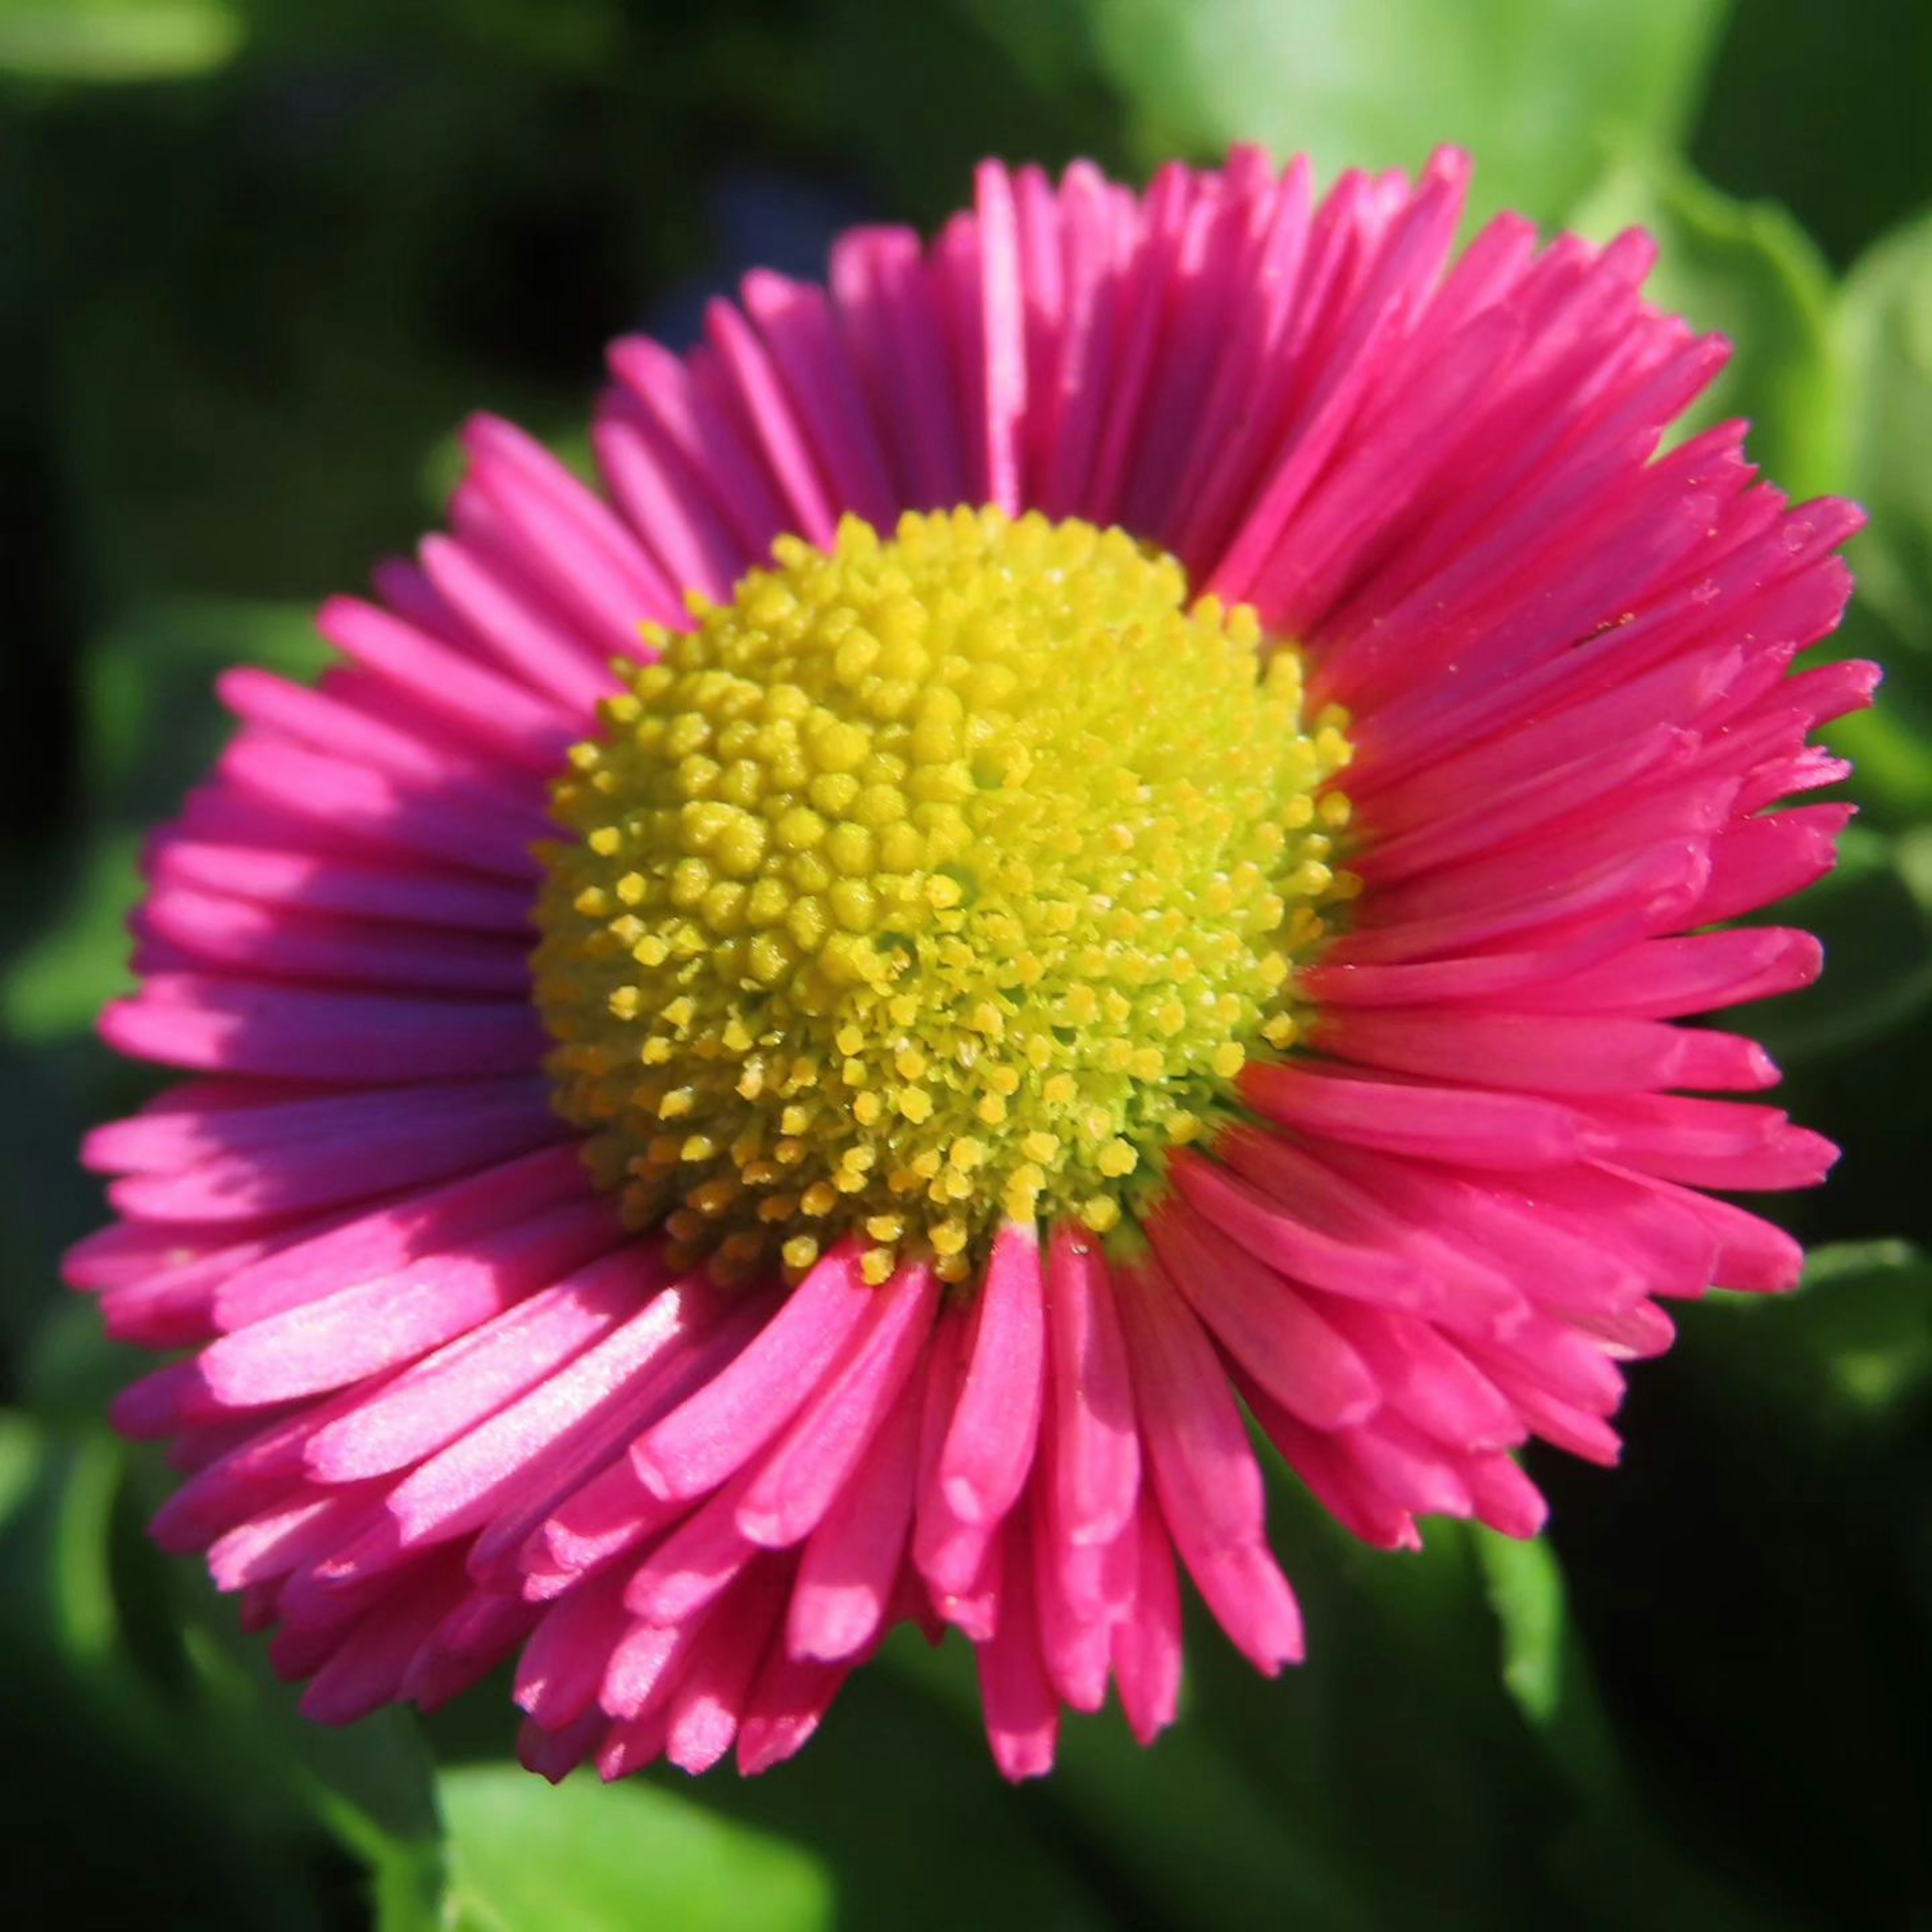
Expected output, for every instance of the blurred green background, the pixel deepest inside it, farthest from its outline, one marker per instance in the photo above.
(257, 257)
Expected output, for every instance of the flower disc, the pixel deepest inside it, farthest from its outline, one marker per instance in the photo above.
(930, 882)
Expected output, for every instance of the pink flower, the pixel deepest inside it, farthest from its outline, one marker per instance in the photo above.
(984, 1038)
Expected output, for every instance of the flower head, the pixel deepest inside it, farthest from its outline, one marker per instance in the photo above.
(1096, 832)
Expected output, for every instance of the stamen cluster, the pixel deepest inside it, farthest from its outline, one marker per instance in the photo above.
(931, 883)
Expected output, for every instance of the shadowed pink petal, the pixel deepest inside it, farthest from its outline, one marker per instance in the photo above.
(1473, 1128)
(1264, 1322)
(989, 1443)
(701, 1557)
(1094, 1448)
(356, 1331)
(948, 1552)
(724, 1424)
(786, 1704)
(432, 1401)
(642, 1668)
(1204, 1472)
(256, 1028)
(797, 1482)
(508, 1476)
(1022, 1713)
(850, 1562)
(563, 1665)
(1145, 1644)
(705, 1710)
(1076, 1613)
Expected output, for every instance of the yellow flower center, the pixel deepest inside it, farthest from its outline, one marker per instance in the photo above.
(930, 884)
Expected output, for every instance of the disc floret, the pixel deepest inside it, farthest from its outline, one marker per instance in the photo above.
(931, 883)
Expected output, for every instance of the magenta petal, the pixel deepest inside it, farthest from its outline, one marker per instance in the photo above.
(1076, 1613)
(1022, 1713)
(1204, 1472)
(852, 1559)
(563, 1665)
(718, 1430)
(1145, 1644)
(797, 1482)
(700, 1557)
(787, 1702)
(1094, 1448)
(702, 1716)
(1264, 1322)
(358, 1330)
(989, 1446)
(1469, 1126)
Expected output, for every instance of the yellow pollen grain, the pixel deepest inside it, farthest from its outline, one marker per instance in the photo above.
(934, 879)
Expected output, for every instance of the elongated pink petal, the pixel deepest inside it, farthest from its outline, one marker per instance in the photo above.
(1022, 1713)
(798, 1482)
(989, 1445)
(357, 1331)
(718, 1430)
(1094, 1447)
(847, 1572)
(1145, 1644)
(1264, 1322)
(1204, 1472)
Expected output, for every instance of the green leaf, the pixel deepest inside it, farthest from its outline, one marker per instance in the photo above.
(153, 722)
(77, 961)
(590, 1858)
(201, 1834)
(1873, 919)
(1852, 1351)
(1543, 1667)
(22, 1446)
(1159, 1817)
(369, 1785)
(1885, 325)
(1747, 271)
(1886, 321)
(1533, 90)
(151, 726)
(103, 41)
(1615, 1858)
(1830, 122)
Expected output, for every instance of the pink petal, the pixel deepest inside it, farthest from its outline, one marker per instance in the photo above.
(989, 1445)
(1205, 1473)
(798, 1481)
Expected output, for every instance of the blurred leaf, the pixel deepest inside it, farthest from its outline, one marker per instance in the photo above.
(1532, 89)
(1878, 955)
(1890, 746)
(1615, 1857)
(370, 1785)
(898, 1801)
(201, 1835)
(1823, 108)
(1158, 1818)
(1886, 332)
(21, 1448)
(1852, 1349)
(918, 94)
(153, 723)
(590, 1858)
(1886, 318)
(1542, 1670)
(1747, 271)
(151, 726)
(116, 40)
(77, 961)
